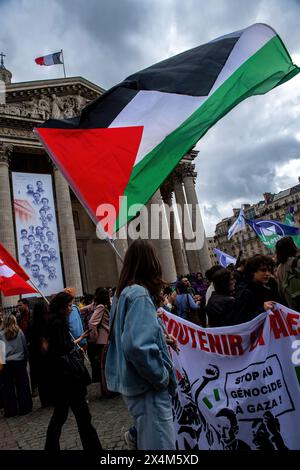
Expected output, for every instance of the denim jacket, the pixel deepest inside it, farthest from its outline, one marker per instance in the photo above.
(75, 324)
(137, 358)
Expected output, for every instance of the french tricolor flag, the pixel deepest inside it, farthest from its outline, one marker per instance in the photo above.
(50, 59)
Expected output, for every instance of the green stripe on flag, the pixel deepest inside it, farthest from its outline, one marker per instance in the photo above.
(267, 68)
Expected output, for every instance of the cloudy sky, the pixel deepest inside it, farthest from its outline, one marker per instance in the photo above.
(255, 148)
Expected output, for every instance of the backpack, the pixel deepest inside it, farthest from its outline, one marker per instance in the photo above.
(291, 286)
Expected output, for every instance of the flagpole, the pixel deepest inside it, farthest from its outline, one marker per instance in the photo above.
(241, 239)
(63, 62)
(33, 284)
(241, 242)
(111, 242)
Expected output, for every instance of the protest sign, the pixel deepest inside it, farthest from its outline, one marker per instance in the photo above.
(239, 386)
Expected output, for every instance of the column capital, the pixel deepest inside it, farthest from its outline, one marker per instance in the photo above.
(183, 170)
(188, 170)
(166, 191)
(177, 175)
(5, 152)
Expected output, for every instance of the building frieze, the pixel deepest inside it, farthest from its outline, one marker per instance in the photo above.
(15, 132)
(44, 99)
(45, 107)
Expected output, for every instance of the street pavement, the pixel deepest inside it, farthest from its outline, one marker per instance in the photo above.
(28, 432)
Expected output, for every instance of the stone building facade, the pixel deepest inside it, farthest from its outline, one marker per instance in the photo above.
(272, 207)
(211, 245)
(87, 261)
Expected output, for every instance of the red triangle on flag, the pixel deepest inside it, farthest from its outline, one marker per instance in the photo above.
(97, 163)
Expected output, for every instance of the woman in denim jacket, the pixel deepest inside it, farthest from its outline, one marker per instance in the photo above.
(138, 364)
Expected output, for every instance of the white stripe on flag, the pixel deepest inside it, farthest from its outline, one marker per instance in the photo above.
(160, 113)
(48, 59)
(251, 40)
(5, 271)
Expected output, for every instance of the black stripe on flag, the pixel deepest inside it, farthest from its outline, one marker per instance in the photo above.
(190, 73)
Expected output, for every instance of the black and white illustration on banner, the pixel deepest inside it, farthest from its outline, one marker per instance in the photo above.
(36, 227)
(243, 415)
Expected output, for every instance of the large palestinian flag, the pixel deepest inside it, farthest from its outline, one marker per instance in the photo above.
(129, 140)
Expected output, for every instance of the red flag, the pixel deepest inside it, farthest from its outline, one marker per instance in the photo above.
(12, 277)
(7, 259)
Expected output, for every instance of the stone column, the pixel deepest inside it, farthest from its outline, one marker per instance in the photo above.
(201, 253)
(161, 240)
(181, 202)
(7, 234)
(67, 233)
(176, 238)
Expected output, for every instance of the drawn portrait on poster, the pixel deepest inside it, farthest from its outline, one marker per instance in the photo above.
(36, 227)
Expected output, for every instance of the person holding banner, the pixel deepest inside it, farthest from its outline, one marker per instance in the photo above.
(138, 364)
(254, 296)
(288, 272)
(220, 307)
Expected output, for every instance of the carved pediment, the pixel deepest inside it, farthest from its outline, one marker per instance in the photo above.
(58, 99)
(45, 107)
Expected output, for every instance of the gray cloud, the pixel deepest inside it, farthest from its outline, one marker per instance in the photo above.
(246, 172)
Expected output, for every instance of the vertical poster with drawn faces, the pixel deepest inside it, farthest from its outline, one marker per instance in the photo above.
(36, 228)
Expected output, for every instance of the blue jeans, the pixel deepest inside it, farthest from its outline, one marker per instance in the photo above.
(153, 419)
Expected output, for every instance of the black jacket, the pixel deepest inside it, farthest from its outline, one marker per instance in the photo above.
(220, 309)
(60, 344)
(250, 299)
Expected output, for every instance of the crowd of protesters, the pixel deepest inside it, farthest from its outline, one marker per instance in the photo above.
(237, 294)
(48, 339)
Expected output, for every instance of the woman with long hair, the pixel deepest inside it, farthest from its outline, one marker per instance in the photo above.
(99, 329)
(16, 393)
(70, 390)
(138, 364)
